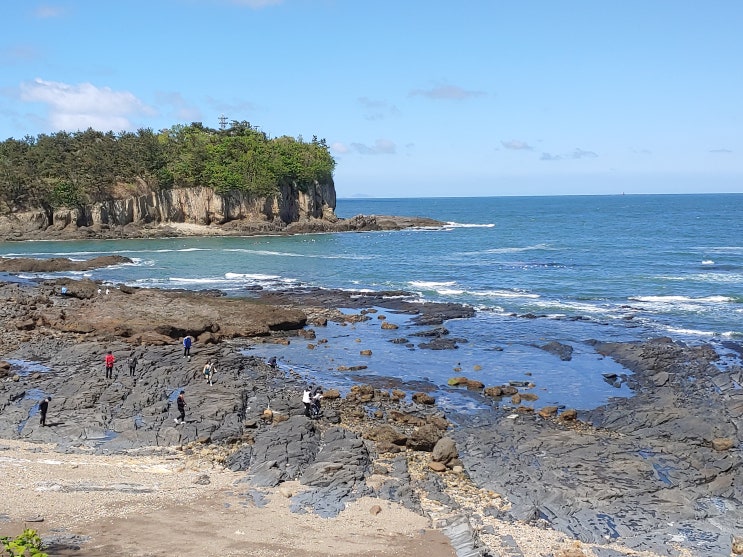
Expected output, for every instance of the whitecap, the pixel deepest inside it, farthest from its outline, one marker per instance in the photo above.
(430, 285)
(682, 299)
(708, 262)
(251, 276)
(463, 225)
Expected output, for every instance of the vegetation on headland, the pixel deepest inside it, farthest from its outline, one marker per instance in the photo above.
(74, 169)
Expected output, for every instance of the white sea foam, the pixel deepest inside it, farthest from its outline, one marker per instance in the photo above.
(430, 285)
(509, 249)
(690, 332)
(290, 254)
(504, 294)
(573, 306)
(254, 276)
(683, 299)
(464, 225)
(708, 262)
(717, 278)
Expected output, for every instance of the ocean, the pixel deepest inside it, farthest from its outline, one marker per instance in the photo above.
(537, 269)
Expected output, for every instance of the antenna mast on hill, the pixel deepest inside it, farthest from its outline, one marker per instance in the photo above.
(222, 121)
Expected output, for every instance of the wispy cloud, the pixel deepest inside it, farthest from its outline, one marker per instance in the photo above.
(377, 110)
(48, 11)
(380, 147)
(517, 145)
(257, 4)
(549, 157)
(721, 151)
(75, 107)
(180, 108)
(575, 154)
(340, 148)
(582, 154)
(446, 92)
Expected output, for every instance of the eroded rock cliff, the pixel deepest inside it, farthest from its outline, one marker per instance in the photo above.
(197, 206)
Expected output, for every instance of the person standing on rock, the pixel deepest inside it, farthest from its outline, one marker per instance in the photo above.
(307, 400)
(187, 346)
(181, 401)
(132, 364)
(110, 359)
(208, 371)
(43, 407)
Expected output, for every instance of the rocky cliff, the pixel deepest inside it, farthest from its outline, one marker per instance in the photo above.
(197, 206)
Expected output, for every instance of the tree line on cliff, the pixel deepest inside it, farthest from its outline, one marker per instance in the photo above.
(74, 169)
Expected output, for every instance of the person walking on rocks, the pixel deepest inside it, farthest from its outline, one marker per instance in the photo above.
(187, 340)
(132, 364)
(110, 359)
(209, 371)
(43, 407)
(181, 401)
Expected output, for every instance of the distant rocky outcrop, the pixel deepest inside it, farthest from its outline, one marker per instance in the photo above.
(164, 213)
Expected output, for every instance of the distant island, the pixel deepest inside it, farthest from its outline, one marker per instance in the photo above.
(185, 180)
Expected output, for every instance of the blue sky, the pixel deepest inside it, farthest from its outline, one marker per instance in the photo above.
(416, 98)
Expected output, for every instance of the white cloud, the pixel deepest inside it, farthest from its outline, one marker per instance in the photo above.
(73, 107)
(576, 154)
(582, 154)
(46, 12)
(516, 145)
(380, 147)
(446, 92)
(340, 148)
(377, 110)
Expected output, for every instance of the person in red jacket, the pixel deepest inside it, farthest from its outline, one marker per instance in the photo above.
(110, 359)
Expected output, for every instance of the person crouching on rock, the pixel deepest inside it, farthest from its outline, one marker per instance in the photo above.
(181, 401)
(110, 359)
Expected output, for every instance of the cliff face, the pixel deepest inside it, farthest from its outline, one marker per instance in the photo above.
(189, 205)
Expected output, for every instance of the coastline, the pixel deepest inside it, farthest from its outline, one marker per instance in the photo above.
(68, 339)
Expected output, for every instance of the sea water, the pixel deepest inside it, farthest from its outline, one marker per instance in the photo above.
(537, 269)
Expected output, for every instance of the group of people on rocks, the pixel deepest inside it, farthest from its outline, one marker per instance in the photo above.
(310, 397)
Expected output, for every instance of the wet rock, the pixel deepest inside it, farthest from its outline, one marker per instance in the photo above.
(563, 351)
(423, 398)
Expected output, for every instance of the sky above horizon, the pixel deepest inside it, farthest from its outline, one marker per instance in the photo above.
(415, 99)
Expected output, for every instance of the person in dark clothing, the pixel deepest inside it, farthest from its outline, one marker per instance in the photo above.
(315, 409)
(43, 407)
(132, 365)
(272, 362)
(181, 401)
(187, 346)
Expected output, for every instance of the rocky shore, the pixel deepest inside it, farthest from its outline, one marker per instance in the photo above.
(657, 474)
